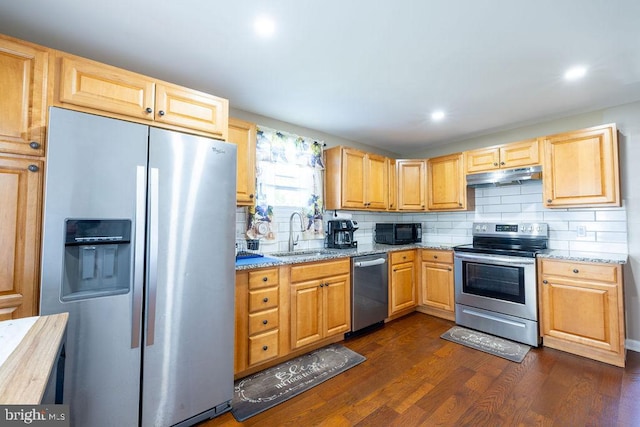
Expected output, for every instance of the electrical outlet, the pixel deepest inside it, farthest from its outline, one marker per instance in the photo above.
(581, 231)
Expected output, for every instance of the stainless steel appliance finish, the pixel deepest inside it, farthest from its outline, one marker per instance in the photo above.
(340, 234)
(504, 176)
(495, 280)
(398, 233)
(369, 290)
(161, 352)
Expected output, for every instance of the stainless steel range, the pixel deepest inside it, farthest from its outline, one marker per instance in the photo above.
(495, 280)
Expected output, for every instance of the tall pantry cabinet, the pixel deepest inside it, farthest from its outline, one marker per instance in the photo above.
(23, 78)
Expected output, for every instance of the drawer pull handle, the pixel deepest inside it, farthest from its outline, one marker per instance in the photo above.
(435, 257)
(265, 347)
(264, 322)
(265, 299)
(449, 269)
(575, 270)
(265, 278)
(35, 145)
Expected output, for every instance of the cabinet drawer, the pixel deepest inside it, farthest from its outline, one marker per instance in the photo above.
(263, 299)
(402, 256)
(263, 278)
(263, 321)
(263, 347)
(437, 256)
(303, 272)
(575, 270)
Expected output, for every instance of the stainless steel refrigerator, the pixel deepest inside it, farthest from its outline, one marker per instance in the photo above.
(138, 247)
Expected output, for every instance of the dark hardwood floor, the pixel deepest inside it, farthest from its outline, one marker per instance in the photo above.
(412, 377)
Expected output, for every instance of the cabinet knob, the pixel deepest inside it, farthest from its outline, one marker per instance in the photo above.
(148, 110)
(251, 196)
(265, 321)
(502, 163)
(545, 282)
(495, 164)
(575, 270)
(322, 285)
(390, 205)
(33, 168)
(449, 269)
(265, 347)
(326, 284)
(459, 204)
(34, 145)
(548, 200)
(161, 113)
(264, 279)
(435, 257)
(265, 299)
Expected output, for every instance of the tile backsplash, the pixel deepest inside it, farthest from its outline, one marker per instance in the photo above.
(575, 230)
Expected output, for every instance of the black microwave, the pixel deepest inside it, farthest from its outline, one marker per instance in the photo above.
(398, 233)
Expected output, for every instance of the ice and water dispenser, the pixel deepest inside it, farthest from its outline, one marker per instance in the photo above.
(97, 260)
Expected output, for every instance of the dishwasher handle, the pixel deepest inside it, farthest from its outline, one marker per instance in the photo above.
(369, 263)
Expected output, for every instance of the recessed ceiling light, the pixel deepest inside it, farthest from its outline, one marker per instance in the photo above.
(575, 73)
(264, 26)
(437, 115)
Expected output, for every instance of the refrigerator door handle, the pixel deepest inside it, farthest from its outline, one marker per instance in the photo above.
(153, 256)
(138, 274)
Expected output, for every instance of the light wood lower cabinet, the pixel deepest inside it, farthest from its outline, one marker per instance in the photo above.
(403, 295)
(320, 301)
(20, 217)
(436, 285)
(582, 309)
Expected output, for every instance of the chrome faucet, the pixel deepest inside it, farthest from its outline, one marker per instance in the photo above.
(292, 242)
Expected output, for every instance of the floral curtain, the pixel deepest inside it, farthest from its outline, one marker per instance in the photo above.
(288, 174)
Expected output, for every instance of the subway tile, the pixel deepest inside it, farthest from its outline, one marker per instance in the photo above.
(501, 191)
(503, 208)
(619, 214)
(614, 226)
(521, 198)
(550, 215)
(602, 236)
(601, 247)
(482, 201)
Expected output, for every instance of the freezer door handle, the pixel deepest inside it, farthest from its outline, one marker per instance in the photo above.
(153, 256)
(138, 273)
(370, 263)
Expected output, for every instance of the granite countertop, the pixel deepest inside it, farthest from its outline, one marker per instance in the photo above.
(272, 260)
(606, 258)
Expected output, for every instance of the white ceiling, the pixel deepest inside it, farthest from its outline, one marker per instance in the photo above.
(366, 70)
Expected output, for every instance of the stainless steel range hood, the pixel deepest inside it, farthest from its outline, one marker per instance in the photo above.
(504, 177)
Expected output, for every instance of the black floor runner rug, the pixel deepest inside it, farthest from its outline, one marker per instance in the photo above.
(268, 388)
(488, 343)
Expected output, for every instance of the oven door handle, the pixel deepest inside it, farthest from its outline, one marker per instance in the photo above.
(488, 258)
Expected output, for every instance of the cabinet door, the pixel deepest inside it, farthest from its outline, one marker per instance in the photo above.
(581, 168)
(482, 160)
(518, 154)
(377, 182)
(306, 313)
(393, 185)
(412, 177)
(23, 77)
(403, 292)
(20, 201)
(353, 170)
(336, 305)
(108, 89)
(243, 134)
(437, 286)
(187, 108)
(581, 312)
(446, 187)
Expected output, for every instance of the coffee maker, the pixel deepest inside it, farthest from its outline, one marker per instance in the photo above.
(340, 234)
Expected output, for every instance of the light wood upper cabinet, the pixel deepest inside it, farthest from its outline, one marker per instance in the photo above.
(23, 78)
(20, 216)
(582, 309)
(514, 155)
(581, 168)
(403, 294)
(356, 180)
(446, 183)
(90, 86)
(243, 134)
(412, 183)
(437, 291)
(393, 185)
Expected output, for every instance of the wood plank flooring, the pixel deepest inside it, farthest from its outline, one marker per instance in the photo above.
(413, 378)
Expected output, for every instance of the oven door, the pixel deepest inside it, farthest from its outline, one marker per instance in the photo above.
(502, 284)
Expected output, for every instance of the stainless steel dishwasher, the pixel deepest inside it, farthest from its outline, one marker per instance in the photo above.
(369, 291)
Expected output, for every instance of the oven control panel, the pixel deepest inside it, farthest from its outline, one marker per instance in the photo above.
(529, 229)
